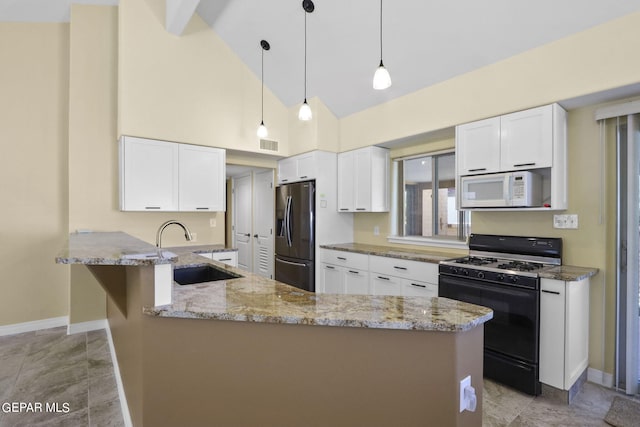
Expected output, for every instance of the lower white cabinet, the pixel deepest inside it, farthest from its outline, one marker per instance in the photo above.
(564, 331)
(355, 273)
(225, 257)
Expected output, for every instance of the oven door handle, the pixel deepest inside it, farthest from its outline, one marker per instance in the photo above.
(457, 282)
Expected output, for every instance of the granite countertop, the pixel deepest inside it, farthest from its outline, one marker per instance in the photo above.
(200, 249)
(253, 298)
(392, 252)
(568, 273)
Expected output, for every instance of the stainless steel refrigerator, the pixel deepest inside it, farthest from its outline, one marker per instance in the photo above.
(295, 234)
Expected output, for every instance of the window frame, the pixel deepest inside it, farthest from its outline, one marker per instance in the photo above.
(397, 214)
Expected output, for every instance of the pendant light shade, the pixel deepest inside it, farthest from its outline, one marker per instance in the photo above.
(262, 129)
(305, 111)
(381, 78)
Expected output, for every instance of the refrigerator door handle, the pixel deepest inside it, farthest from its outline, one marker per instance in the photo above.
(285, 227)
(288, 214)
(291, 263)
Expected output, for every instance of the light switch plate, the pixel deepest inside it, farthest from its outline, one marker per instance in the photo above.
(565, 221)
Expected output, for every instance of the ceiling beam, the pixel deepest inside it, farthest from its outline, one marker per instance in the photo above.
(179, 12)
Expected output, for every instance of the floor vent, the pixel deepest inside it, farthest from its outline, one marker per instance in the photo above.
(266, 144)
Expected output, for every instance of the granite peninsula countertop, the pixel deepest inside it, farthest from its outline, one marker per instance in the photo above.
(253, 298)
(568, 273)
(392, 252)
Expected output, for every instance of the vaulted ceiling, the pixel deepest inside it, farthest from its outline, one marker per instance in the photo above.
(425, 42)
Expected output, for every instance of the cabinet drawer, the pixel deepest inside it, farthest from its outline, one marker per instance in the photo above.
(227, 257)
(414, 270)
(414, 288)
(386, 285)
(348, 259)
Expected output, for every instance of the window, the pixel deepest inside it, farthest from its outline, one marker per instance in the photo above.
(425, 199)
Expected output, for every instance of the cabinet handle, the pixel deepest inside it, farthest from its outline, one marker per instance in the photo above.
(550, 292)
(477, 169)
(353, 272)
(361, 209)
(330, 267)
(344, 209)
(304, 177)
(202, 209)
(383, 278)
(418, 286)
(224, 259)
(341, 258)
(152, 207)
(519, 165)
(399, 268)
(284, 180)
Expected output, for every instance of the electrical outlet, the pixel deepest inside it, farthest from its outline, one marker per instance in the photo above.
(194, 237)
(376, 231)
(212, 222)
(565, 221)
(463, 385)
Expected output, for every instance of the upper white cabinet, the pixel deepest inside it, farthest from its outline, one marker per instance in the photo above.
(167, 176)
(363, 180)
(534, 139)
(301, 167)
(473, 143)
(201, 185)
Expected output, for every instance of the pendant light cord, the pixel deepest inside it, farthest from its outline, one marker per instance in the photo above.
(305, 56)
(380, 32)
(262, 79)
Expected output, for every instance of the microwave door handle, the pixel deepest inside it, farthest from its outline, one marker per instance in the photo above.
(508, 183)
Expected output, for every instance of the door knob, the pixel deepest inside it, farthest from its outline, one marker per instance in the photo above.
(255, 235)
(248, 234)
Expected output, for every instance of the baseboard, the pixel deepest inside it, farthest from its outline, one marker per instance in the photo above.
(116, 370)
(599, 377)
(82, 327)
(36, 325)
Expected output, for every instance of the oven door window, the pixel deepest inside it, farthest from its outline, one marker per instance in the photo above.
(513, 330)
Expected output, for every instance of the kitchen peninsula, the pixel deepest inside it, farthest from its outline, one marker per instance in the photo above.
(255, 352)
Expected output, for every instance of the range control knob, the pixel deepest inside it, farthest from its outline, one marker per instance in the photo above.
(454, 270)
(480, 275)
(465, 272)
(514, 279)
(500, 276)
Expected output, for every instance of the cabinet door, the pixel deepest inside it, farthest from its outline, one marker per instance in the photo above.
(332, 279)
(527, 139)
(202, 178)
(362, 161)
(306, 166)
(385, 285)
(552, 336)
(287, 170)
(478, 147)
(149, 175)
(356, 282)
(346, 182)
(414, 288)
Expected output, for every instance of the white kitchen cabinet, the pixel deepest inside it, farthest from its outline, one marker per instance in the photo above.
(564, 331)
(363, 177)
(332, 279)
(356, 282)
(405, 269)
(478, 147)
(534, 139)
(382, 284)
(301, 167)
(226, 257)
(148, 175)
(202, 185)
(527, 139)
(167, 176)
(415, 288)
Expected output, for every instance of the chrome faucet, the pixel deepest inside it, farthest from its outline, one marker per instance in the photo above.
(187, 233)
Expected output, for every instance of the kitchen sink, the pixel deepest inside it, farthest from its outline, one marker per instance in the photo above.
(200, 274)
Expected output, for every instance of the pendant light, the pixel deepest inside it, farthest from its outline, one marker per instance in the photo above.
(262, 129)
(305, 111)
(381, 78)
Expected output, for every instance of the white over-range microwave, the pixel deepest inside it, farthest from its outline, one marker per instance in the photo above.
(510, 189)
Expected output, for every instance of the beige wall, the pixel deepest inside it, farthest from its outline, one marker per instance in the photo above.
(191, 88)
(322, 132)
(33, 171)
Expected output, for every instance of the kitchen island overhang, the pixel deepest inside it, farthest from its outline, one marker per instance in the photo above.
(253, 351)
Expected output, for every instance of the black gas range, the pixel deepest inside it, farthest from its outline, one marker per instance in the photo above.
(502, 273)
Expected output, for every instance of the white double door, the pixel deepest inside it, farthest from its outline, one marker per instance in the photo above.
(253, 219)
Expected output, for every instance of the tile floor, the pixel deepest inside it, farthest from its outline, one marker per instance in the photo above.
(51, 366)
